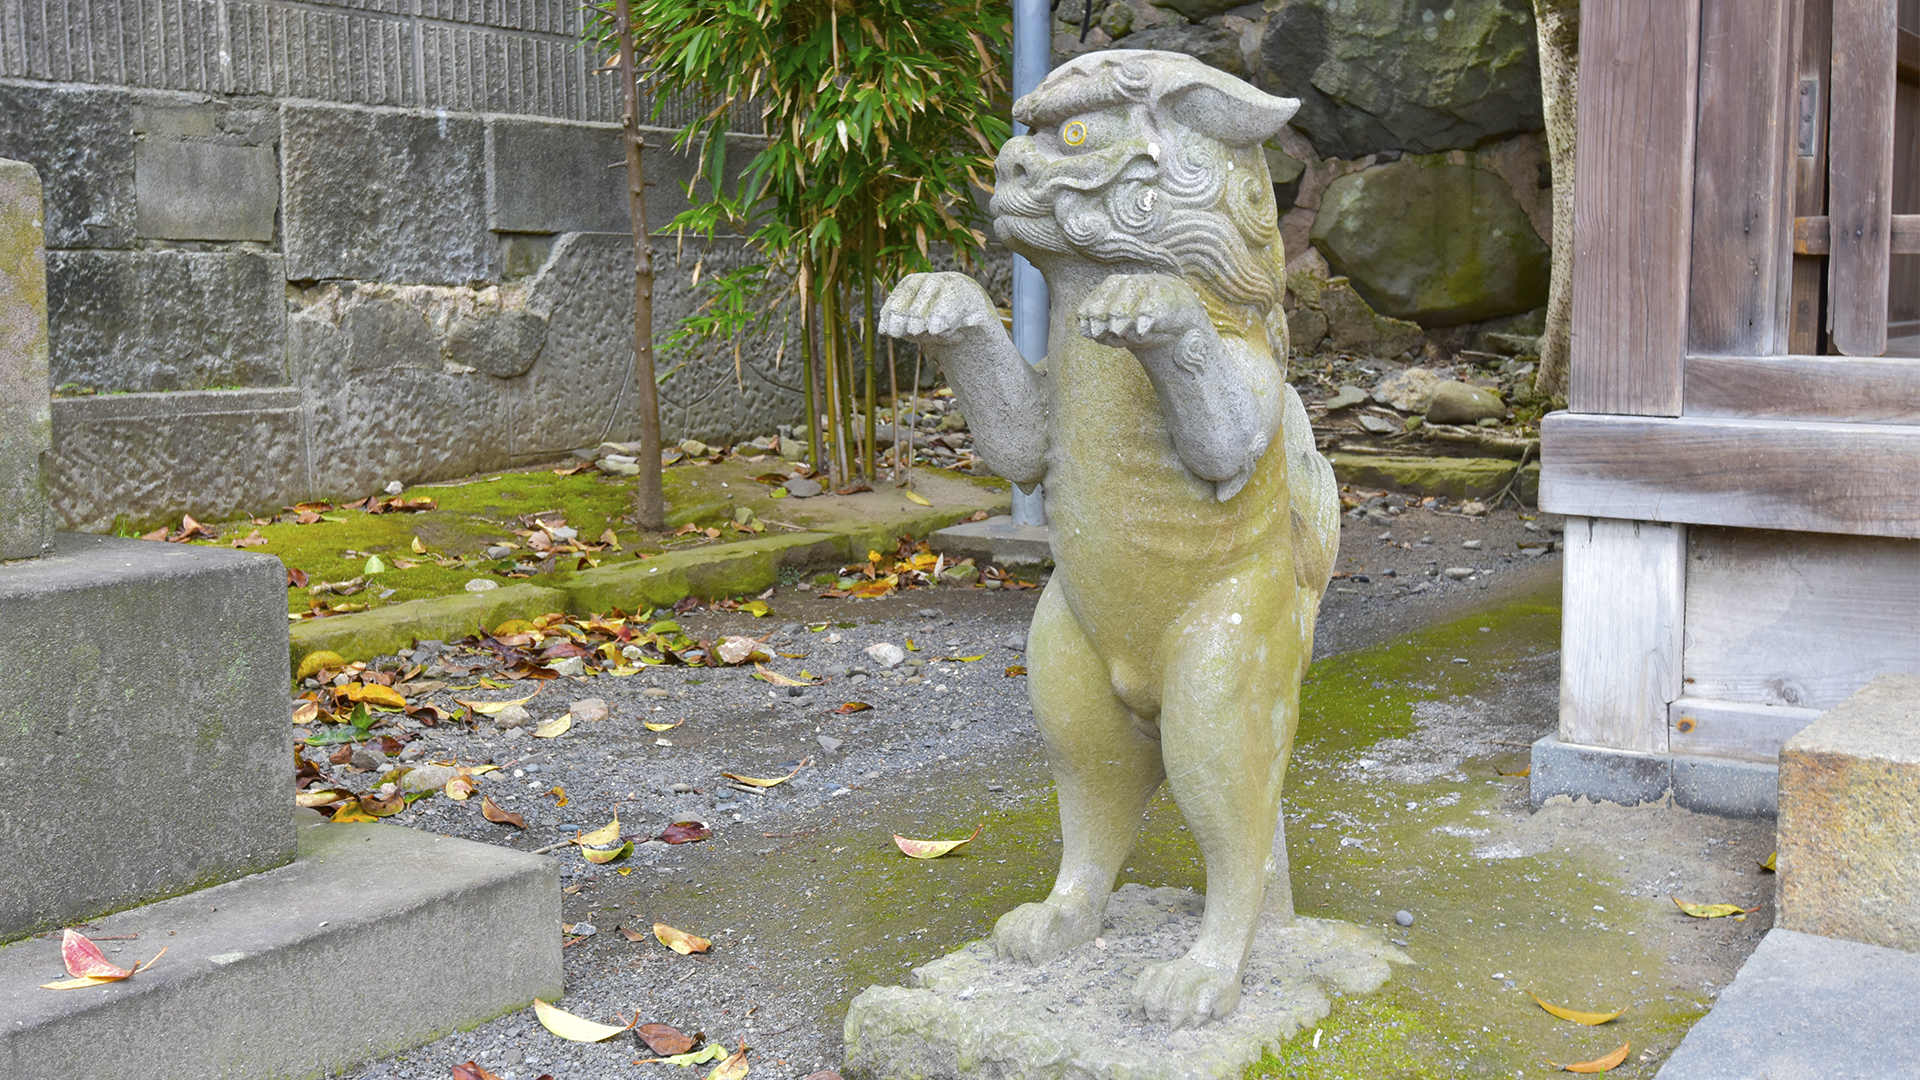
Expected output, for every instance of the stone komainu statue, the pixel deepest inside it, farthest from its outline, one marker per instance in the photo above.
(1193, 523)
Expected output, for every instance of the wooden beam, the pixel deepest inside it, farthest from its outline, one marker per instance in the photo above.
(1624, 590)
(1860, 173)
(1734, 729)
(1841, 389)
(1634, 204)
(1743, 177)
(1814, 235)
(1755, 474)
(1909, 58)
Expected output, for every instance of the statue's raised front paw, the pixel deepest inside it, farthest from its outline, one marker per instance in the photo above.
(1036, 933)
(1140, 309)
(936, 309)
(1186, 993)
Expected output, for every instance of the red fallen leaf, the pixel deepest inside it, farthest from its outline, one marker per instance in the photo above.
(342, 756)
(296, 579)
(471, 1071)
(492, 812)
(664, 1039)
(852, 707)
(388, 745)
(685, 832)
(84, 959)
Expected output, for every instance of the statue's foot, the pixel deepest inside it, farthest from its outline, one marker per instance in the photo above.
(1186, 993)
(1036, 933)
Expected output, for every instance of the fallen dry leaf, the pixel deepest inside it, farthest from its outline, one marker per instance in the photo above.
(1769, 866)
(1590, 1019)
(559, 796)
(930, 849)
(89, 966)
(1712, 911)
(603, 856)
(1597, 1065)
(632, 935)
(385, 697)
(766, 782)
(767, 674)
(914, 496)
(710, 1052)
(555, 727)
(651, 726)
(679, 940)
(492, 812)
(1014, 670)
(852, 707)
(685, 832)
(489, 708)
(573, 1028)
(665, 1039)
(602, 836)
(734, 1067)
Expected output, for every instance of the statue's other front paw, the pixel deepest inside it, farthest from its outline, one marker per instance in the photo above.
(1140, 309)
(1036, 933)
(1186, 993)
(936, 309)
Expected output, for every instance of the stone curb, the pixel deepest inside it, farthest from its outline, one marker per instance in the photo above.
(1455, 478)
(718, 570)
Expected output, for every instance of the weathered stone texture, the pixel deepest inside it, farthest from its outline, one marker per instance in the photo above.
(1411, 75)
(384, 196)
(1849, 821)
(581, 391)
(167, 320)
(709, 398)
(1438, 243)
(82, 143)
(200, 190)
(138, 458)
(26, 524)
(504, 344)
(142, 722)
(551, 178)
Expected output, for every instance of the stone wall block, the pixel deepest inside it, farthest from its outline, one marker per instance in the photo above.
(710, 398)
(202, 190)
(26, 433)
(167, 320)
(81, 141)
(414, 210)
(544, 177)
(580, 393)
(504, 344)
(138, 459)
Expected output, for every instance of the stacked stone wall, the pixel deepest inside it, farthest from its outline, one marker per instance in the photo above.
(303, 249)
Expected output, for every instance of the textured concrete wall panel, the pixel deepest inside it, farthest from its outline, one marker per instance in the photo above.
(205, 190)
(167, 320)
(81, 141)
(384, 196)
(544, 177)
(150, 457)
(26, 526)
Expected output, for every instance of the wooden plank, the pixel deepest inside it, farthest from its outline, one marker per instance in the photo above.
(1814, 236)
(1860, 174)
(1841, 389)
(1622, 590)
(1806, 325)
(1795, 620)
(1909, 56)
(1734, 729)
(1763, 474)
(1743, 177)
(1634, 197)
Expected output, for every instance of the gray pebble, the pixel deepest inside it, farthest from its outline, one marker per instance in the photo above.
(1404, 918)
(1459, 573)
(929, 613)
(1470, 545)
(1016, 642)
(499, 551)
(830, 744)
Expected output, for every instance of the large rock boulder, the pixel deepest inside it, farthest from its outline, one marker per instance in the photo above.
(1411, 75)
(1435, 243)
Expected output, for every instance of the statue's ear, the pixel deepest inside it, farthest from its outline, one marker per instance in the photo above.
(1222, 107)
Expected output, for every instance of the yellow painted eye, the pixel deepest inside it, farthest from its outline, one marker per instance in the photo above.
(1074, 134)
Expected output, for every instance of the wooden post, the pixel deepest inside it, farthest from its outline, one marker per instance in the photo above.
(649, 504)
(1860, 173)
(1806, 320)
(1625, 586)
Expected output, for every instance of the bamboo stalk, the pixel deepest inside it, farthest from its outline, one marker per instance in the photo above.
(871, 242)
(809, 361)
(830, 361)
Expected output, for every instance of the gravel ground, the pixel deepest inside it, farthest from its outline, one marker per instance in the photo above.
(800, 888)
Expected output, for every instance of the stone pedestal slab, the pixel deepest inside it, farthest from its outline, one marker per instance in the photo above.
(1849, 831)
(143, 726)
(26, 422)
(970, 1015)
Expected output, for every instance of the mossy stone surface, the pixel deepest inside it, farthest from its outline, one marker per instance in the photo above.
(1455, 478)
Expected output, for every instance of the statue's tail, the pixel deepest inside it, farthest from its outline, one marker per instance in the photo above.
(1315, 499)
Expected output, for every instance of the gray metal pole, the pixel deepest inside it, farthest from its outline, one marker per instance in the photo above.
(1032, 59)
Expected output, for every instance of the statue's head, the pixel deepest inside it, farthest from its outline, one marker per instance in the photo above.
(1148, 162)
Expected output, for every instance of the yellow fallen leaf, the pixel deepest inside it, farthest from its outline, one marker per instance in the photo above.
(679, 940)
(930, 849)
(602, 836)
(321, 796)
(488, 708)
(460, 788)
(75, 984)
(306, 712)
(1590, 1019)
(767, 674)
(756, 608)
(374, 694)
(603, 856)
(574, 1028)
(1597, 1065)
(964, 659)
(914, 496)
(316, 662)
(555, 727)
(651, 726)
(419, 548)
(1769, 866)
(559, 796)
(709, 1052)
(765, 782)
(350, 811)
(512, 626)
(1712, 911)
(734, 1067)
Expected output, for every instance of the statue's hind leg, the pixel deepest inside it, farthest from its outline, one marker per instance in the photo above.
(1105, 769)
(1229, 705)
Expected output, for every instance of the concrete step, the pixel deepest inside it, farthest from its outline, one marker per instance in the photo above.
(375, 939)
(1807, 1007)
(996, 540)
(1849, 823)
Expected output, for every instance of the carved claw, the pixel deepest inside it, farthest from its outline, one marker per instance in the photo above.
(936, 309)
(1186, 993)
(1036, 933)
(1127, 310)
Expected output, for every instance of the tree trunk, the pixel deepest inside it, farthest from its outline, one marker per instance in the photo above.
(649, 504)
(1558, 23)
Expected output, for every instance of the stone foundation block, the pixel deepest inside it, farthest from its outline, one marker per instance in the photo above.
(203, 190)
(1849, 831)
(81, 140)
(548, 177)
(143, 727)
(26, 432)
